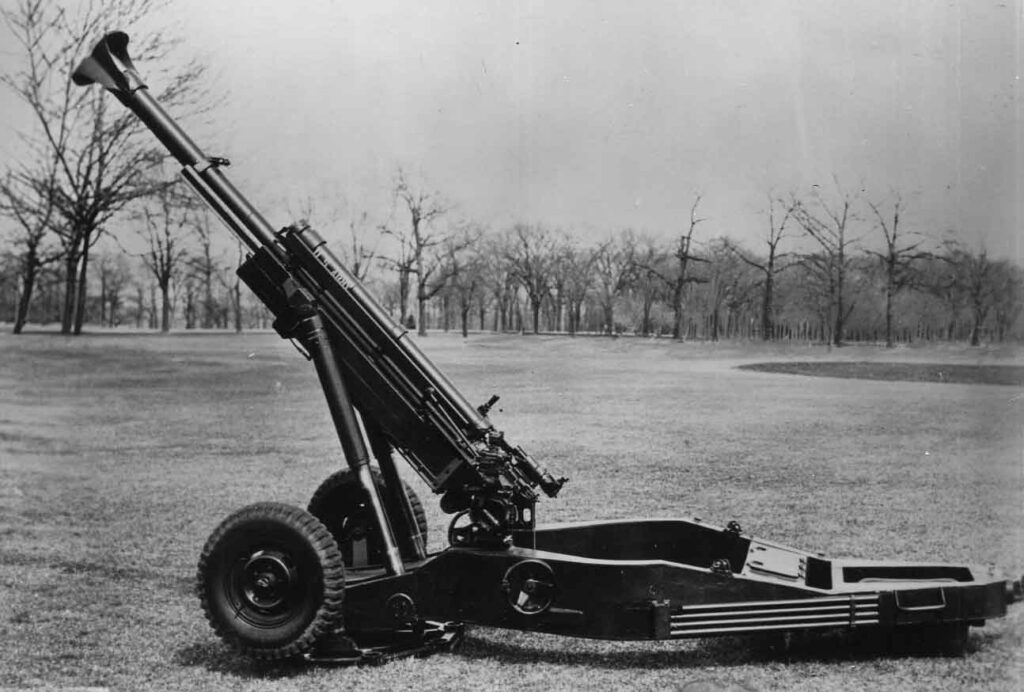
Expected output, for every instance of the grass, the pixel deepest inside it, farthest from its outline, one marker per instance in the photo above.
(120, 453)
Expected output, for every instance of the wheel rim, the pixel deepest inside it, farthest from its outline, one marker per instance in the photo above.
(265, 588)
(267, 580)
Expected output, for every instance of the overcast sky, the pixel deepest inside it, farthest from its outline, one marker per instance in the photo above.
(597, 116)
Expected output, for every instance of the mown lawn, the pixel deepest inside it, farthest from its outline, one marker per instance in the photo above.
(119, 453)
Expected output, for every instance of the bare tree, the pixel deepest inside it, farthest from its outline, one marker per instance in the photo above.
(114, 274)
(464, 266)
(101, 163)
(614, 270)
(530, 255)
(649, 266)
(361, 246)
(227, 276)
(827, 223)
(899, 260)
(166, 222)
(403, 263)
(499, 276)
(977, 278)
(1009, 302)
(676, 275)
(203, 266)
(729, 285)
(769, 267)
(415, 258)
(28, 200)
(572, 277)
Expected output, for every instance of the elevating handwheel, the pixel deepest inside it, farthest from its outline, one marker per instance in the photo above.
(344, 508)
(271, 580)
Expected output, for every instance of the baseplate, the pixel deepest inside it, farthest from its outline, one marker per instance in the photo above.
(421, 640)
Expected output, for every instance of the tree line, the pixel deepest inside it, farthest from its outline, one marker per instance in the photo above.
(830, 267)
(832, 264)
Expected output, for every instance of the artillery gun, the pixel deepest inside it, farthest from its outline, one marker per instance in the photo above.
(351, 579)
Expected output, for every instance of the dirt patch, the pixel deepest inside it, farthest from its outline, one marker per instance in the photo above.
(1010, 375)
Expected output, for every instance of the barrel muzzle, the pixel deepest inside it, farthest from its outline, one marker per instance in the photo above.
(110, 66)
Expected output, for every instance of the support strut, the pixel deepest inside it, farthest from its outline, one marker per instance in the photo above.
(308, 328)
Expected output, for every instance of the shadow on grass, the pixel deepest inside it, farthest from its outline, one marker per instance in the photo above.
(836, 647)
(947, 373)
(215, 657)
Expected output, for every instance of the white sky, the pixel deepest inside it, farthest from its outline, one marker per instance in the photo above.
(595, 116)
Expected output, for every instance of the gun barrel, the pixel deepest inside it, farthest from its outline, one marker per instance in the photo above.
(418, 410)
(110, 66)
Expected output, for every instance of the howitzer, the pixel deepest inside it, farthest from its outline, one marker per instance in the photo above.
(351, 579)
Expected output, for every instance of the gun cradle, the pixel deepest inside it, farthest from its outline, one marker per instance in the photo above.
(351, 580)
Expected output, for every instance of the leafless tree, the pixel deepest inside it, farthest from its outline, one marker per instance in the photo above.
(729, 285)
(769, 267)
(166, 223)
(650, 264)
(676, 275)
(498, 276)
(614, 269)
(114, 274)
(414, 257)
(101, 162)
(579, 280)
(27, 197)
(827, 223)
(361, 246)
(203, 266)
(899, 259)
(977, 278)
(1009, 298)
(530, 256)
(227, 276)
(464, 267)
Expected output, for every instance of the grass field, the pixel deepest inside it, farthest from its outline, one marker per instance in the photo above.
(119, 453)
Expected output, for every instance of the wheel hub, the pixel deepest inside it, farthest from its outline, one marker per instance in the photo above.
(267, 580)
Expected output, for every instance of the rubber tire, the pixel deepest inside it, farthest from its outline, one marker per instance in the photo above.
(313, 607)
(332, 504)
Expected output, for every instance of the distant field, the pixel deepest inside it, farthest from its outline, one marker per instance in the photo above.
(120, 452)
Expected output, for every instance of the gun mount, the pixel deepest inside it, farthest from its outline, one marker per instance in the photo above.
(351, 579)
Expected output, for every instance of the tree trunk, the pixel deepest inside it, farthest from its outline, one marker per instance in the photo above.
(609, 318)
(103, 296)
(67, 318)
(677, 311)
(645, 322)
(888, 317)
(465, 322)
(238, 307)
(403, 295)
(25, 299)
(165, 307)
(421, 315)
(767, 308)
(83, 287)
(840, 321)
